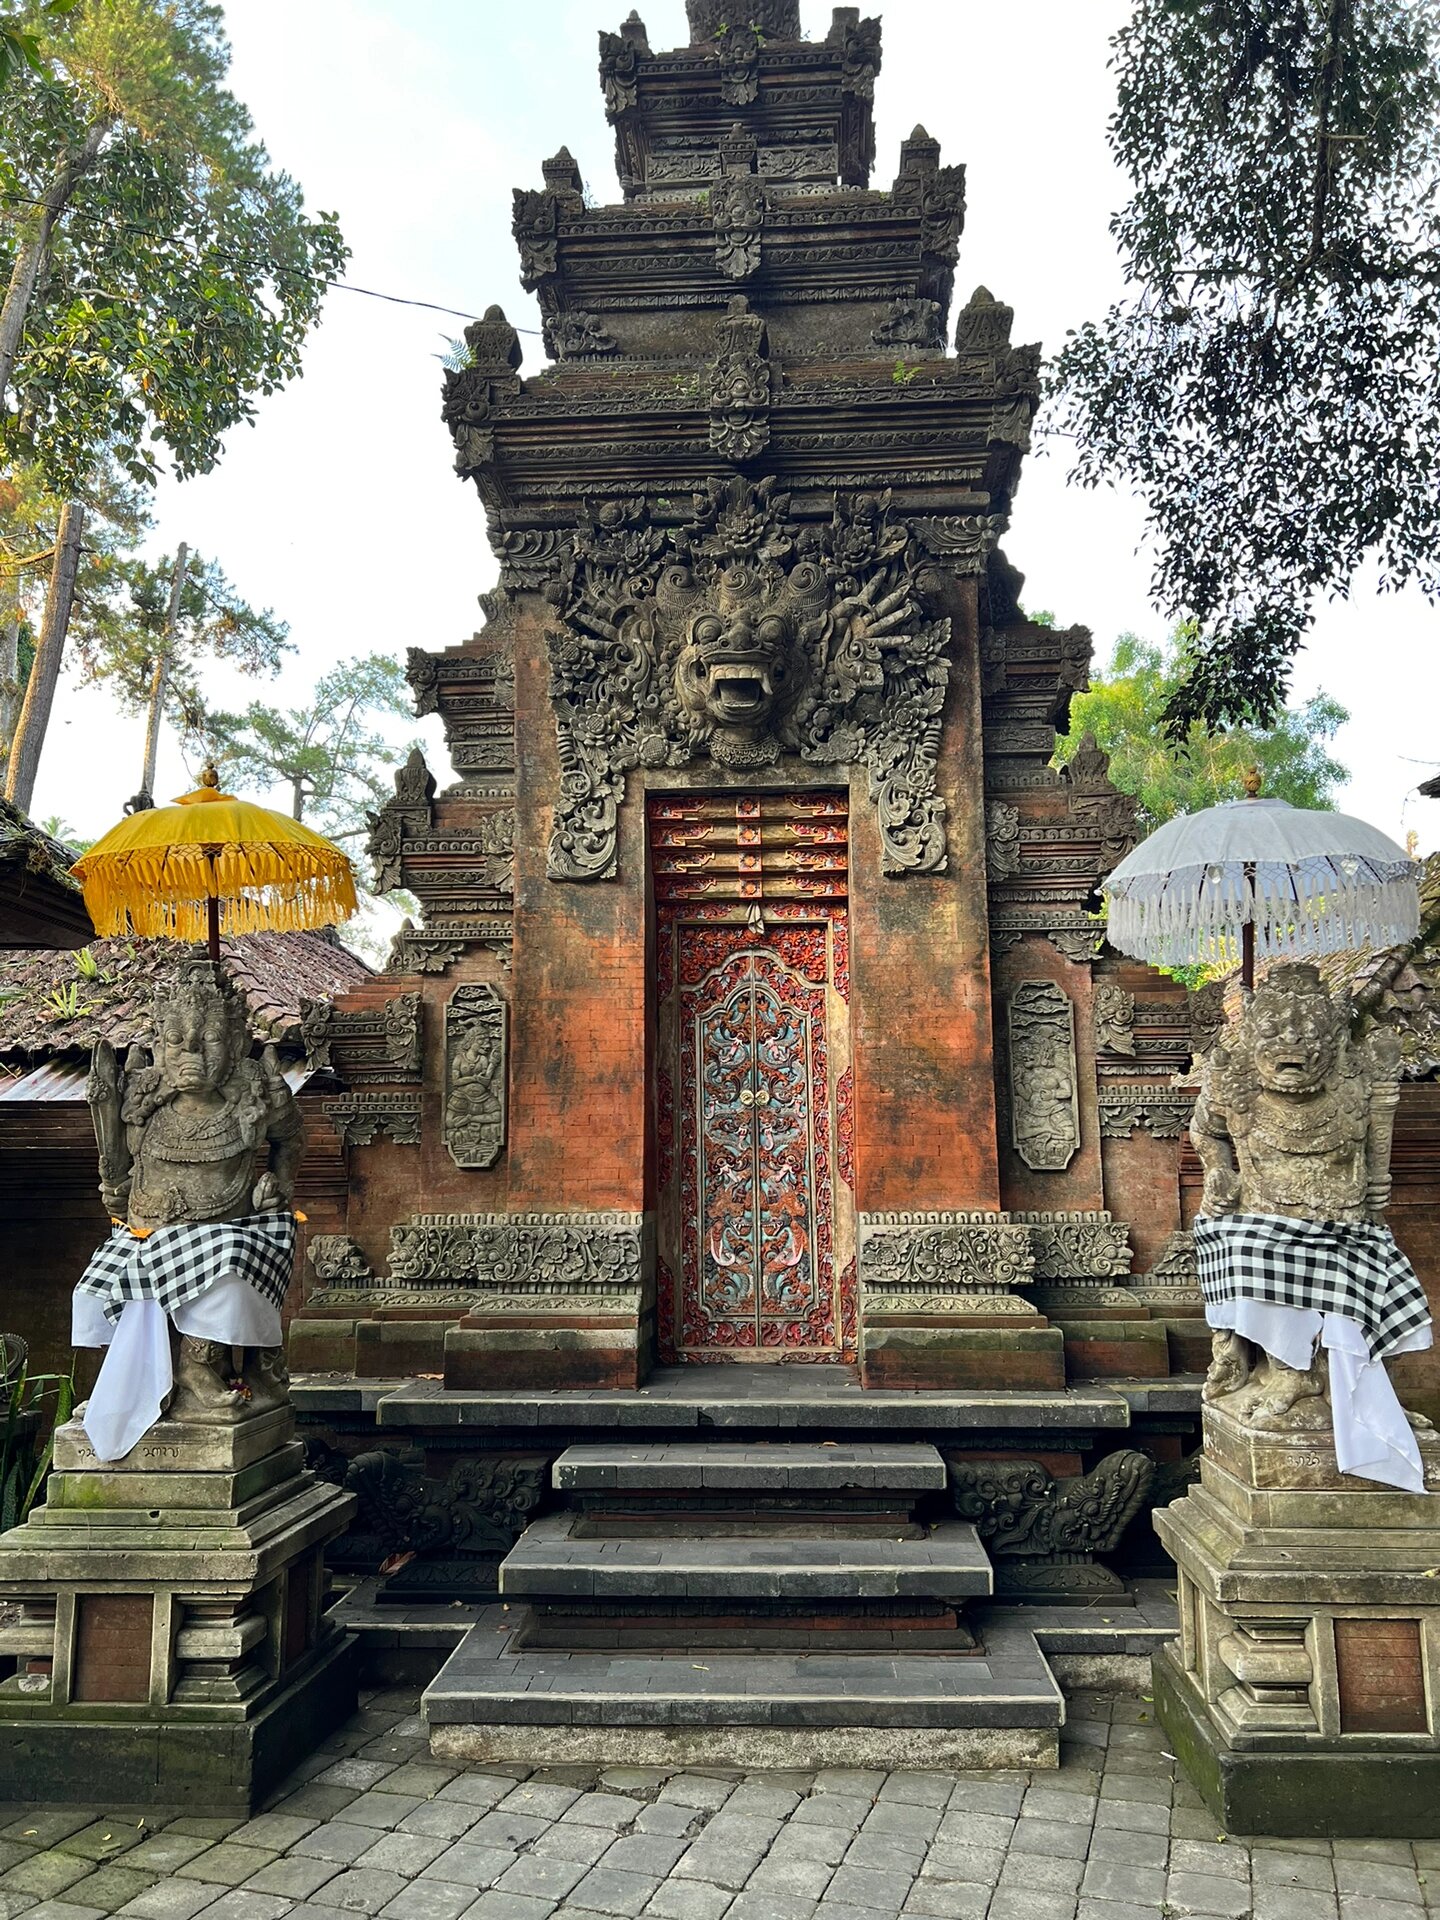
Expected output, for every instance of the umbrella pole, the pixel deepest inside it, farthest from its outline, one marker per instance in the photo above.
(1247, 931)
(212, 913)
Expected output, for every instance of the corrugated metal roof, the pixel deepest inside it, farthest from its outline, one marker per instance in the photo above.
(64, 1080)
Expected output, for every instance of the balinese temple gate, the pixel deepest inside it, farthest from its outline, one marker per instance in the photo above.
(764, 1211)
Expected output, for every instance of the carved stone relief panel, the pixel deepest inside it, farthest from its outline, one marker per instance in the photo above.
(740, 637)
(474, 1093)
(1114, 1018)
(1044, 1101)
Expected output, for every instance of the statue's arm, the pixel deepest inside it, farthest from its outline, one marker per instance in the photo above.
(1215, 1149)
(103, 1091)
(285, 1132)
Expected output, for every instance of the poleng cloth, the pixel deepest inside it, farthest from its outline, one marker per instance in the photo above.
(177, 1264)
(1349, 1267)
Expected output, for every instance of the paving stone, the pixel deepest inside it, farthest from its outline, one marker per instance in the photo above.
(1191, 1823)
(1045, 1836)
(1207, 1893)
(869, 1887)
(608, 1890)
(1025, 1903)
(467, 1866)
(1200, 1856)
(103, 1839)
(423, 1777)
(755, 1905)
(1112, 1910)
(1361, 1907)
(403, 1853)
(1133, 1849)
(46, 1875)
(918, 1789)
(228, 1864)
(510, 1906)
(109, 1888)
(650, 1853)
(337, 1841)
(1115, 1880)
(1042, 1870)
(723, 1866)
(172, 1900)
(296, 1877)
(364, 1889)
(539, 1800)
(1269, 1867)
(1135, 1786)
(479, 1790)
(689, 1900)
(313, 1801)
(541, 1876)
(1397, 1852)
(429, 1900)
(907, 1820)
(946, 1900)
(203, 1827)
(1136, 1816)
(1292, 1903)
(583, 1844)
(1380, 1879)
(803, 1879)
(376, 1808)
(697, 1790)
(354, 1773)
(438, 1820)
(240, 1904)
(64, 1910)
(888, 1851)
(974, 1829)
(985, 1796)
(612, 1810)
(164, 1852)
(825, 1845)
(13, 1905)
(1043, 1803)
(981, 1866)
(667, 1819)
(833, 1810)
(46, 1826)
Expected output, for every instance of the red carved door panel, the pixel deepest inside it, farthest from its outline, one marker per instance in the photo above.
(755, 1219)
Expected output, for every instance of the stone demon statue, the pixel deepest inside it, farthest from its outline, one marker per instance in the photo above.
(179, 1139)
(1294, 1118)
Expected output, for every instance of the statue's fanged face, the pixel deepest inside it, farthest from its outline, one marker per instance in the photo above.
(740, 671)
(200, 1036)
(1296, 1031)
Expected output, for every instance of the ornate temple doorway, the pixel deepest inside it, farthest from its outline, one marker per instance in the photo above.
(752, 1089)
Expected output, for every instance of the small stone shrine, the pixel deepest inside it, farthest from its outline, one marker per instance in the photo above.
(1301, 1694)
(166, 1606)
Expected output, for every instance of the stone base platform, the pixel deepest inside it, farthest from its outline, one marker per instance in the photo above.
(494, 1702)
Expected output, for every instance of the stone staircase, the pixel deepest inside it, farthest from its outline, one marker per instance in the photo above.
(782, 1603)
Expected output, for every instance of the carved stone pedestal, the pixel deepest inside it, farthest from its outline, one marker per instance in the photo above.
(165, 1612)
(1303, 1696)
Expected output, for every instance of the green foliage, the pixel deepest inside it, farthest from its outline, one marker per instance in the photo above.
(124, 634)
(24, 1458)
(20, 45)
(182, 274)
(901, 375)
(328, 753)
(1124, 710)
(1268, 384)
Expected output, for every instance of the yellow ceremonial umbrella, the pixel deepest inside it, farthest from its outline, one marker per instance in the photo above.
(211, 860)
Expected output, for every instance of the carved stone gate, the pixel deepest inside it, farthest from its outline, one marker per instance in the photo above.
(751, 1092)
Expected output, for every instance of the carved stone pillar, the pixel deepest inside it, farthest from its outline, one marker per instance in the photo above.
(1303, 1695)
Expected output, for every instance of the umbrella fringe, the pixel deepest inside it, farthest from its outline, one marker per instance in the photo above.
(1189, 918)
(165, 890)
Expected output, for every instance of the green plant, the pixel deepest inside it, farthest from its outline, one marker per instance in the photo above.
(903, 375)
(86, 965)
(24, 1463)
(65, 1002)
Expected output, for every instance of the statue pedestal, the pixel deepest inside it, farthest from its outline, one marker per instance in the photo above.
(165, 1612)
(1303, 1696)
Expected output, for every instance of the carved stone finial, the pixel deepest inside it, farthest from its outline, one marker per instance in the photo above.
(984, 324)
(562, 173)
(718, 19)
(739, 384)
(494, 344)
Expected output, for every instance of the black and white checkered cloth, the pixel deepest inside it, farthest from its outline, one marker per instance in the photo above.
(1329, 1266)
(176, 1264)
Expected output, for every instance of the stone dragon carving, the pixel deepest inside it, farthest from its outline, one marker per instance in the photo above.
(736, 638)
(1293, 1118)
(1045, 1532)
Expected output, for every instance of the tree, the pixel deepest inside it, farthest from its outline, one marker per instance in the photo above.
(159, 273)
(1268, 385)
(148, 638)
(328, 753)
(1124, 709)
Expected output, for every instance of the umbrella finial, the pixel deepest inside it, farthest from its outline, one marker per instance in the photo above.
(209, 775)
(1252, 780)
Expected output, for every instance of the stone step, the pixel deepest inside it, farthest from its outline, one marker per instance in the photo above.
(493, 1702)
(558, 1558)
(762, 1466)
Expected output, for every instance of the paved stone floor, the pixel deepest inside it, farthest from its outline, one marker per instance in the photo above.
(369, 1825)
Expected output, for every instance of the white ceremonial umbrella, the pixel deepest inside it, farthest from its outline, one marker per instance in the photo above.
(1287, 880)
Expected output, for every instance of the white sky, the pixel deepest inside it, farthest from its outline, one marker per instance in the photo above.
(413, 119)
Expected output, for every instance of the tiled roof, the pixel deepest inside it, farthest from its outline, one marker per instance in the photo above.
(39, 902)
(49, 1004)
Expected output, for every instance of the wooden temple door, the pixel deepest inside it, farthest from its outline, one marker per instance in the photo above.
(752, 1084)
